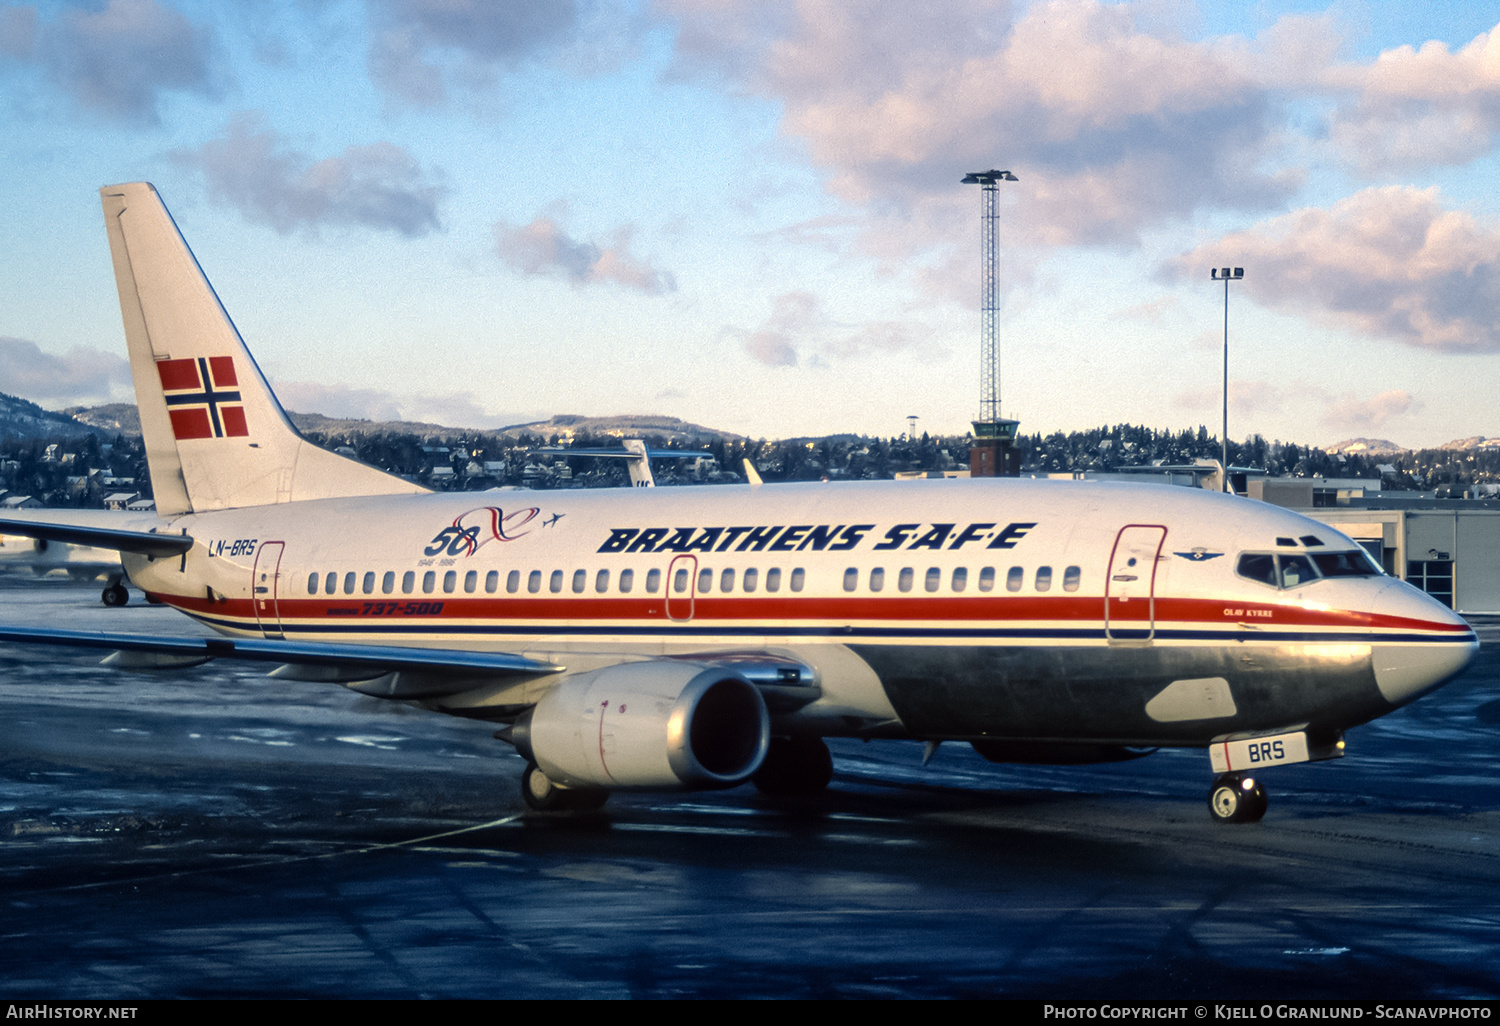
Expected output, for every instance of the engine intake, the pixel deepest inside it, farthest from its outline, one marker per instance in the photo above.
(663, 724)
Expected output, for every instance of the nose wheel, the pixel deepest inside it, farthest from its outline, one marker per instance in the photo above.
(114, 593)
(1237, 799)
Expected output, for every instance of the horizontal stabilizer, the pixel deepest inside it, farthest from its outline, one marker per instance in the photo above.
(378, 659)
(145, 543)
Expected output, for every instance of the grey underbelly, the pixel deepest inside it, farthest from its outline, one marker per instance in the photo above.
(1147, 695)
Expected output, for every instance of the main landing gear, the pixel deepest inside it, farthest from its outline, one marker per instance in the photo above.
(114, 593)
(543, 795)
(1236, 798)
(797, 765)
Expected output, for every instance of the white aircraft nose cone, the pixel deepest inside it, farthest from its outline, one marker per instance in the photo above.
(1406, 669)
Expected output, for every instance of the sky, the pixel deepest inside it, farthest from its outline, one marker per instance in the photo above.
(749, 213)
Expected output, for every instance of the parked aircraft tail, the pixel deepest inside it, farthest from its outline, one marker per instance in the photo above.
(215, 435)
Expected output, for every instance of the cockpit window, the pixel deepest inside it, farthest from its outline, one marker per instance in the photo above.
(1296, 570)
(1258, 566)
(1354, 563)
(1312, 541)
(1291, 570)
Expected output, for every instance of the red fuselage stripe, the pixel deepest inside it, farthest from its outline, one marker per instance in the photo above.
(784, 609)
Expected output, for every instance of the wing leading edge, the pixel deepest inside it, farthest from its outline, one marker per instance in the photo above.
(145, 543)
(337, 662)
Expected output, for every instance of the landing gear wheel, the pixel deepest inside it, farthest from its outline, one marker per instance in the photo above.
(794, 766)
(543, 795)
(115, 594)
(1237, 799)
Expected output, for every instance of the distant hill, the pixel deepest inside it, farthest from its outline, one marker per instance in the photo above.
(1366, 447)
(672, 429)
(22, 419)
(316, 422)
(123, 418)
(1476, 442)
(114, 418)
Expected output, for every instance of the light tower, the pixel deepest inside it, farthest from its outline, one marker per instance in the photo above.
(992, 454)
(1227, 275)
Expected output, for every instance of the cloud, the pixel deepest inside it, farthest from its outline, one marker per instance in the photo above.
(420, 47)
(17, 32)
(338, 401)
(1389, 262)
(1340, 411)
(454, 409)
(117, 60)
(81, 375)
(1351, 414)
(543, 248)
(1111, 130)
(799, 330)
(1151, 312)
(1248, 397)
(378, 186)
(1415, 108)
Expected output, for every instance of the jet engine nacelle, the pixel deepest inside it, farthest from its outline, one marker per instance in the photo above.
(655, 724)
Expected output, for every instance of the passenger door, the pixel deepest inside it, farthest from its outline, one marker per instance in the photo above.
(1130, 587)
(263, 587)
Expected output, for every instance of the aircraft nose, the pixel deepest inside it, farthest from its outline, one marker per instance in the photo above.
(1412, 666)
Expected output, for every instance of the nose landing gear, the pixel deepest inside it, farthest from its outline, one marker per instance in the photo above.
(1235, 798)
(114, 593)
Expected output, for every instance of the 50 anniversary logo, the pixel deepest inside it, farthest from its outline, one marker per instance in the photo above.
(473, 530)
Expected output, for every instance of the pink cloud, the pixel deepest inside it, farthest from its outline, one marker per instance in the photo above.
(81, 375)
(1390, 262)
(543, 248)
(1351, 414)
(1420, 107)
(1111, 129)
(798, 329)
(255, 169)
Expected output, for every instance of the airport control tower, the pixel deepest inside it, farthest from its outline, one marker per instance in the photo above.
(993, 453)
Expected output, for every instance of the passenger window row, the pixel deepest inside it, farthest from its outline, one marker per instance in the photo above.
(724, 581)
(932, 580)
(354, 583)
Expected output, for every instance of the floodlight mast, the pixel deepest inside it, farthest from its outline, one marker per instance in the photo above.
(989, 346)
(993, 435)
(1224, 274)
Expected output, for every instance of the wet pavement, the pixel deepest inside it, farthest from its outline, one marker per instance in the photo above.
(214, 832)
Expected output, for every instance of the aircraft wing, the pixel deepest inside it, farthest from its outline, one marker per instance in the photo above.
(437, 670)
(79, 527)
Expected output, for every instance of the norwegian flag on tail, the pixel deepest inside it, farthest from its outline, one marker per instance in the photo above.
(203, 398)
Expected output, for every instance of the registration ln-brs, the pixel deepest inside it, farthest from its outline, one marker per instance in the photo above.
(680, 638)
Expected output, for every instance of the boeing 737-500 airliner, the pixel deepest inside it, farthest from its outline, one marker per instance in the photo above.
(678, 638)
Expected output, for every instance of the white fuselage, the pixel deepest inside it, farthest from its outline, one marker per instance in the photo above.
(1002, 608)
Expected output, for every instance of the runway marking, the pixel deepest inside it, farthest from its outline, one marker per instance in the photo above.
(286, 860)
(668, 828)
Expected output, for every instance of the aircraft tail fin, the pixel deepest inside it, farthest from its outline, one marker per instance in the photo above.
(215, 435)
